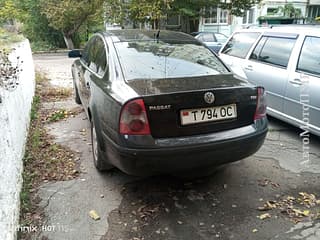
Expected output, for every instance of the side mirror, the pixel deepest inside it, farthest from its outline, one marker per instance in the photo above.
(74, 53)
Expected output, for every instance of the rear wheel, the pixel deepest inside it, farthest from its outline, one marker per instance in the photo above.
(99, 159)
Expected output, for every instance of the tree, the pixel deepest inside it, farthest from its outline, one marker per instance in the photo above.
(8, 12)
(35, 25)
(153, 10)
(288, 10)
(194, 9)
(115, 11)
(68, 16)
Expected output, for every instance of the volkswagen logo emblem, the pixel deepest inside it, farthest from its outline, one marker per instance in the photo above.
(209, 97)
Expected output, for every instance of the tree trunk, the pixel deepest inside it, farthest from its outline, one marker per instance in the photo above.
(68, 41)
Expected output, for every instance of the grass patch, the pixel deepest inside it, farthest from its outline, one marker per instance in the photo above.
(44, 160)
(41, 46)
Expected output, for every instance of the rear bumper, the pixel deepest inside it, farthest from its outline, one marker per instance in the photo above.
(183, 154)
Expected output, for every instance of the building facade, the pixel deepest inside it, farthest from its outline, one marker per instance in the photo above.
(272, 11)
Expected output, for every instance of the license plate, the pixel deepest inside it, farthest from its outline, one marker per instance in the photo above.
(199, 115)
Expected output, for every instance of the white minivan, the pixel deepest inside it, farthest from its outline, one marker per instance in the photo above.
(286, 61)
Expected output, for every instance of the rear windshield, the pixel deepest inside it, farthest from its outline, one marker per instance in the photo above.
(156, 60)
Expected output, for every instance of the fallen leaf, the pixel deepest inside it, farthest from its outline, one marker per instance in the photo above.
(264, 216)
(94, 215)
(306, 213)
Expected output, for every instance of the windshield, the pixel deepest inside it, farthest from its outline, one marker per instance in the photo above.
(156, 60)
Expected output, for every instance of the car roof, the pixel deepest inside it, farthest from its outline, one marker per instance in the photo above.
(291, 29)
(196, 33)
(127, 35)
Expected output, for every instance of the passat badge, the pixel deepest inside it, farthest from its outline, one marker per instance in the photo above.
(209, 97)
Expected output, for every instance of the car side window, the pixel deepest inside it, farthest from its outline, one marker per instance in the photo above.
(93, 50)
(88, 54)
(101, 57)
(309, 60)
(208, 37)
(273, 50)
(240, 44)
(220, 37)
(85, 54)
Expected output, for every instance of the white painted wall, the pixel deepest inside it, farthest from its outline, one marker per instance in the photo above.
(14, 122)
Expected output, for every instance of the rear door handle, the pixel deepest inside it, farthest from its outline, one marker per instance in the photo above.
(296, 81)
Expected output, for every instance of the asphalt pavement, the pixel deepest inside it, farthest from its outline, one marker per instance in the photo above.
(270, 195)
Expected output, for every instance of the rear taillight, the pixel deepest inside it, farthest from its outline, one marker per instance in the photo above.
(133, 118)
(261, 104)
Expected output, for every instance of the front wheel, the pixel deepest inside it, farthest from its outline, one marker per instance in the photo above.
(99, 159)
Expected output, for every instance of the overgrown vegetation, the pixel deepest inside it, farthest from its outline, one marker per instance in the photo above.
(44, 160)
(8, 38)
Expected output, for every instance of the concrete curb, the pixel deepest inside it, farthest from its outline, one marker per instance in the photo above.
(14, 121)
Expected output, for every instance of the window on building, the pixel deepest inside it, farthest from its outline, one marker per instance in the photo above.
(248, 17)
(272, 11)
(216, 16)
(313, 12)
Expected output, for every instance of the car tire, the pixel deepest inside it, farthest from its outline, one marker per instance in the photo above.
(99, 159)
(76, 94)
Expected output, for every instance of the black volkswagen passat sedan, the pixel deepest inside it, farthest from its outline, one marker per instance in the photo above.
(161, 102)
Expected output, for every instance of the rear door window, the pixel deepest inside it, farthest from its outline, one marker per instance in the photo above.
(309, 60)
(273, 50)
(240, 44)
(101, 57)
(220, 37)
(207, 37)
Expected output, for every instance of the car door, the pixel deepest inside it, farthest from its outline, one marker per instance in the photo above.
(303, 90)
(236, 50)
(88, 67)
(268, 67)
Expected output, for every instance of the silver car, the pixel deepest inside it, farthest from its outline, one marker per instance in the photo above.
(286, 61)
(212, 40)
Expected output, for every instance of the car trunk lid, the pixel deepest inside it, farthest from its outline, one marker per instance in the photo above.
(179, 107)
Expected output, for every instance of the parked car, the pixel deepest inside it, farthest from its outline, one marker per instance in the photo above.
(161, 102)
(213, 40)
(286, 61)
